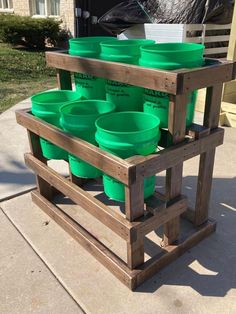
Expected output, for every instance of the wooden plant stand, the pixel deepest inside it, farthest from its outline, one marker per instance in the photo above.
(140, 217)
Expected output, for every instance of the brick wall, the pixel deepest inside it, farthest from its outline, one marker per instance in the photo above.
(67, 15)
(24, 7)
(21, 7)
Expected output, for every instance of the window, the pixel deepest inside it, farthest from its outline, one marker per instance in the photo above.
(5, 5)
(46, 7)
(55, 7)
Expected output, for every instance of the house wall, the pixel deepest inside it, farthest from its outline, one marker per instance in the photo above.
(67, 15)
(21, 7)
(24, 7)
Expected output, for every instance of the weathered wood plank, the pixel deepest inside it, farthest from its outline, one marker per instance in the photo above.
(93, 206)
(134, 199)
(213, 106)
(206, 164)
(197, 131)
(43, 186)
(64, 80)
(205, 173)
(108, 163)
(172, 252)
(164, 81)
(155, 163)
(134, 209)
(135, 253)
(176, 128)
(112, 262)
(152, 222)
(190, 80)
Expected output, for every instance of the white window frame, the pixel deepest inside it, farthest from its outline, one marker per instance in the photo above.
(9, 9)
(47, 10)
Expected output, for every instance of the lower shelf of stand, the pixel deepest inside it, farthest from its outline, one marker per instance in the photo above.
(131, 278)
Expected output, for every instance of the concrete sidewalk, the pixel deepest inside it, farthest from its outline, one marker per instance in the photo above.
(15, 177)
(201, 281)
(26, 284)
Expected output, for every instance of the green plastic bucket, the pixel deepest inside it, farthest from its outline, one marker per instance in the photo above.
(170, 56)
(125, 51)
(46, 106)
(78, 119)
(88, 86)
(88, 47)
(125, 96)
(126, 134)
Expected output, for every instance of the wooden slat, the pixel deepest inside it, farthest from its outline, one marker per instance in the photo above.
(164, 81)
(135, 253)
(177, 117)
(197, 131)
(217, 26)
(206, 164)
(232, 42)
(215, 39)
(213, 51)
(93, 206)
(171, 253)
(190, 80)
(134, 200)
(176, 127)
(154, 204)
(84, 238)
(152, 222)
(134, 209)
(212, 106)
(205, 173)
(208, 39)
(64, 80)
(108, 163)
(43, 186)
(155, 163)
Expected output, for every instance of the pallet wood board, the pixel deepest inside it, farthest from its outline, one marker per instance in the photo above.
(172, 82)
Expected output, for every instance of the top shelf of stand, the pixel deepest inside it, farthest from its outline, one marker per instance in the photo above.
(172, 82)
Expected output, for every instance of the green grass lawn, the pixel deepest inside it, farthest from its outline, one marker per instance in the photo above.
(22, 73)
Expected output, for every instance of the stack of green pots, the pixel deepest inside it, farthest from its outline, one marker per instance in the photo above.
(126, 97)
(78, 119)
(88, 86)
(46, 106)
(126, 134)
(170, 56)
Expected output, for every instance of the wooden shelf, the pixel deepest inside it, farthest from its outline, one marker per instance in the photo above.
(140, 216)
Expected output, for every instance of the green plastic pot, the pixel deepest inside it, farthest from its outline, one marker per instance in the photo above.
(46, 106)
(78, 119)
(88, 47)
(157, 103)
(88, 86)
(125, 51)
(170, 56)
(126, 134)
(125, 96)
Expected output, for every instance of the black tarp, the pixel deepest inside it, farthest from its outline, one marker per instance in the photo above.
(129, 13)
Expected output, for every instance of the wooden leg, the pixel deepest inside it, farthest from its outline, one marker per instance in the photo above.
(173, 188)
(44, 188)
(134, 208)
(204, 187)
(177, 125)
(213, 106)
(206, 165)
(64, 80)
(135, 253)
